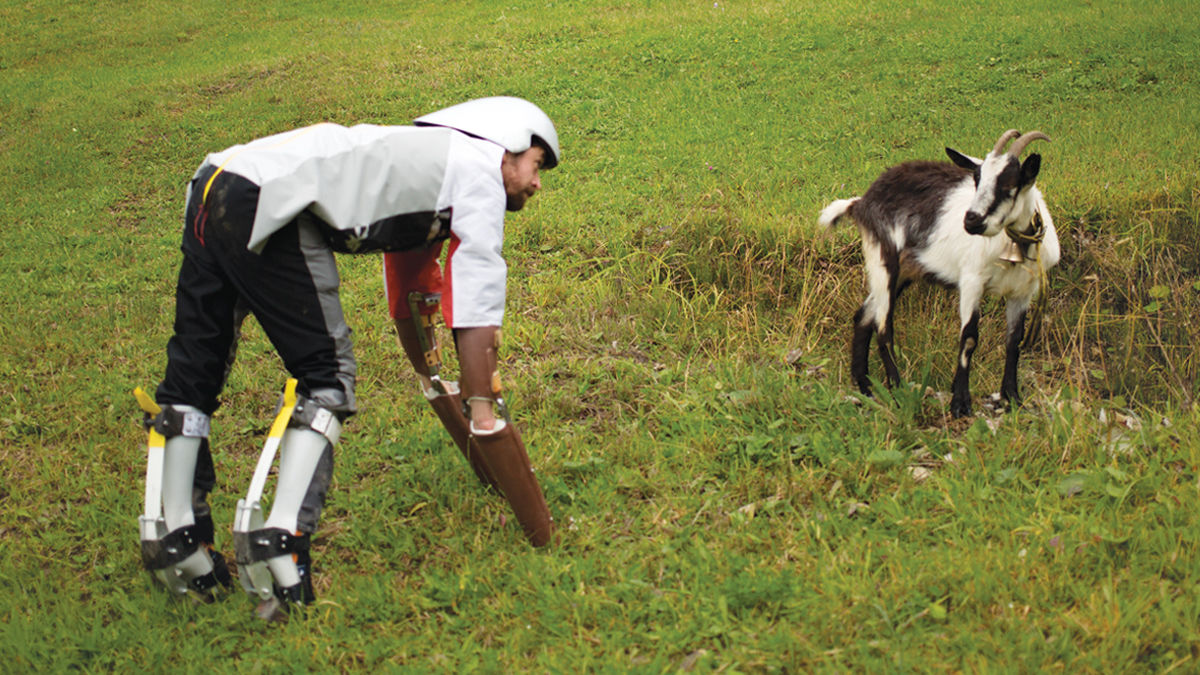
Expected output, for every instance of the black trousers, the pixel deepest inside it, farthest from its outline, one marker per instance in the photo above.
(291, 288)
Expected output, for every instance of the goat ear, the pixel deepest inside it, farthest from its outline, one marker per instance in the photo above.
(1030, 168)
(962, 160)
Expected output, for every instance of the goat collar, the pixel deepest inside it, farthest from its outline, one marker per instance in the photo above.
(1022, 241)
(1032, 236)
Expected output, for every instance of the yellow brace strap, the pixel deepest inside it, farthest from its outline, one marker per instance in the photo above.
(145, 402)
(285, 413)
(148, 405)
(267, 458)
(156, 446)
(433, 354)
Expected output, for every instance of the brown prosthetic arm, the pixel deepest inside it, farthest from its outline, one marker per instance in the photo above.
(497, 441)
(406, 331)
(479, 377)
(443, 397)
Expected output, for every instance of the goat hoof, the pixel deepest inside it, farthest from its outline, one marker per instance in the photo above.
(960, 409)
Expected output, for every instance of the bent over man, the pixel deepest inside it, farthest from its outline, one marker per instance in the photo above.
(263, 221)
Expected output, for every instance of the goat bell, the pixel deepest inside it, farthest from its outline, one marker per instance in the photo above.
(1012, 253)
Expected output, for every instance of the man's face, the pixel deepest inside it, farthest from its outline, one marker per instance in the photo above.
(521, 177)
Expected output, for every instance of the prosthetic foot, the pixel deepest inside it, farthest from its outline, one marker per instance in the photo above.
(176, 525)
(273, 554)
(508, 463)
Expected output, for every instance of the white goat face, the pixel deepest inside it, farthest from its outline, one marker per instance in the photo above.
(1000, 179)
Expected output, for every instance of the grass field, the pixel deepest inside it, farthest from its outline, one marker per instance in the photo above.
(676, 342)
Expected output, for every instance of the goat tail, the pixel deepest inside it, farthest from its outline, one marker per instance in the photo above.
(836, 209)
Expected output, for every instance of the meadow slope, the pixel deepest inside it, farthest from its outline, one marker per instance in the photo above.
(675, 343)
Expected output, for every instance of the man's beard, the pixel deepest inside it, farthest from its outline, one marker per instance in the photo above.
(516, 203)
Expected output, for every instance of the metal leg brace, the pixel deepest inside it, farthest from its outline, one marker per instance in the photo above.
(176, 527)
(273, 553)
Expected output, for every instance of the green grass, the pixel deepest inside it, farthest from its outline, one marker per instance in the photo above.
(722, 508)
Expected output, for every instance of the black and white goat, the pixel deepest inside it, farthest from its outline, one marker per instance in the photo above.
(976, 225)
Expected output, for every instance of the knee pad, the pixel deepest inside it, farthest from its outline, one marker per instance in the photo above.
(176, 540)
(272, 553)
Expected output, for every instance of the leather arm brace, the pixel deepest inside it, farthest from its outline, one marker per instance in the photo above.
(477, 361)
(410, 340)
(499, 457)
(446, 403)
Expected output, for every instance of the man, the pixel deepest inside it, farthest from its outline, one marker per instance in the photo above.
(262, 223)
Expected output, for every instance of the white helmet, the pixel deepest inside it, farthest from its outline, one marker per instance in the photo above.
(512, 123)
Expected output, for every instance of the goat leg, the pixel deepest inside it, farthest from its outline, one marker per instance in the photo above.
(960, 401)
(1012, 354)
(860, 349)
(884, 341)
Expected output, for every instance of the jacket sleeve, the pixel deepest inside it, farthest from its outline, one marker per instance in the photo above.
(476, 274)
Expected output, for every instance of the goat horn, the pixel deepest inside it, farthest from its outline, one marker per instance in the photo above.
(1005, 138)
(1019, 145)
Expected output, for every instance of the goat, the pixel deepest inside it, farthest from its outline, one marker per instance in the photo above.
(941, 221)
